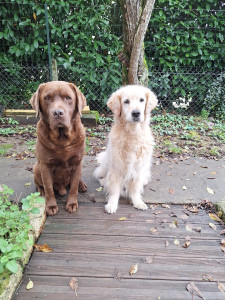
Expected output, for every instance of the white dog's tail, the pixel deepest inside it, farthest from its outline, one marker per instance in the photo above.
(101, 170)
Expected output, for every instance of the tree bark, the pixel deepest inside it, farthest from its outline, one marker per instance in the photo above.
(136, 16)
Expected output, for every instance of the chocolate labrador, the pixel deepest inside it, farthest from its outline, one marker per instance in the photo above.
(60, 142)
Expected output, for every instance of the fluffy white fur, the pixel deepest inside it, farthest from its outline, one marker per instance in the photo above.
(125, 166)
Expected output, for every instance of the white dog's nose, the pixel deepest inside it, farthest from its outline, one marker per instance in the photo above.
(135, 113)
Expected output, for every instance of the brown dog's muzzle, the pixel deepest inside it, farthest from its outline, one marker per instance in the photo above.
(58, 113)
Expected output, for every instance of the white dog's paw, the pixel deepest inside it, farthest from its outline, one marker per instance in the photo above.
(140, 205)
(111, 208)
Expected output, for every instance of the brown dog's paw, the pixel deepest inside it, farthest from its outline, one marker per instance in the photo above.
(72, 207)
(82, 187)
(51, 210)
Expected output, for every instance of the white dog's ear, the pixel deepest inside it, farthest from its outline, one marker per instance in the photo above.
(35, 100)
(81, 100)
(114, 103)
(152, 100)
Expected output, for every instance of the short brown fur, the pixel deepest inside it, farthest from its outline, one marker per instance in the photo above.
(60, 143)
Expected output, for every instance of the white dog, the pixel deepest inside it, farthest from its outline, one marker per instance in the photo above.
(124, 167)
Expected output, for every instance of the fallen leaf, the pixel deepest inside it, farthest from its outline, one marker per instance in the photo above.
(197, 229)
(222, 231)
(173, 225)
(210, 191)
(153, 206)
(133, 269)
(27, 184)
(177, 242)
(223, 249)
(207, 277)
(157, 212)
(187, 238)
(185, 217)
(149, 259)
(43, 248)
(193, 209)
(99, 189)
(221, 287)
(165, 206)
(122, 219)
(192, 289)
(213, 226)
(222, 242)
(74, 284)
(167, 243)
(149, 221)
(186, 244)
(213, 173)
(188, 228)
(204, 167)
(184, 187)
(153, 230)
(171, 191)
(30, 285)
(215, 218)
(172, 214)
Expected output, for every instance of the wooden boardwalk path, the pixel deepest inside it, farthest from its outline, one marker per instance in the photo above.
(98, 250)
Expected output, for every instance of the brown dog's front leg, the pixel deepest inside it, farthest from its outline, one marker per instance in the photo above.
(72, 203)
(47, 179)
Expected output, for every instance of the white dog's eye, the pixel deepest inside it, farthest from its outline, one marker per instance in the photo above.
(142, 100)
(126, 101)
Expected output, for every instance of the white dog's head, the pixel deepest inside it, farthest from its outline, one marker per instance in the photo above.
(132, 103)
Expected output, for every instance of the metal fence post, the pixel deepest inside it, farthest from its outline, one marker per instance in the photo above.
(54, 70)
(48, 40)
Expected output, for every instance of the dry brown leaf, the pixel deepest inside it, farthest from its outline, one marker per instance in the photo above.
(184, 217)
(133, 269)
(210, 191)
(221, 287)
(222, 231)
(167, 243)
(43, 248)
(187, 238)
(197, 229)
(193, 209)
(214, 217)
(149, 221)
(213, 173)
(186, 244)
(192, 289)
(174, 224)
(207, 277)
(172, 214)
(213, 226)
(153, 206)
(157, 212)
(30, 285)
(171, 191)
(177, 242)
(74, 284)
(149, 259)
(165, 206)
(222, 242)
(223, 249)
(122, 219)
(188, 228)
(153, 230)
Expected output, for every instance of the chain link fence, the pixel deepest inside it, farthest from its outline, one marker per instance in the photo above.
(181, 89)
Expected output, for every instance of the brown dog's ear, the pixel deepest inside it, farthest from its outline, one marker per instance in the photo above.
(152, 101)
(114, 103)
(35, 100)
(81, 100)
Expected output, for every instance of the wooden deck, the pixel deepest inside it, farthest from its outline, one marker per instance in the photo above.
(98, 249)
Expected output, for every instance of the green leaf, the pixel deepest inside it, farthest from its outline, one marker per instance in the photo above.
(35, 210)
(12, 266)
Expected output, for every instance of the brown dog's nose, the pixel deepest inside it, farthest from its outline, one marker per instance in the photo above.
(58, 113)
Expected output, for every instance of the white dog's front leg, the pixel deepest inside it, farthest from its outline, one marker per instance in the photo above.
(135, 189)
(113, 198)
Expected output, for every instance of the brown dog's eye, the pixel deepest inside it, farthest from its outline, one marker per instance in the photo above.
(142, 100)
(68, 98)
(47, 98)
(126, 101)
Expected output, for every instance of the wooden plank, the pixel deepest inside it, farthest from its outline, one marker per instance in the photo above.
(162, 268)
(125, 228)
(125, 245)
(11, 112)
(57, 288)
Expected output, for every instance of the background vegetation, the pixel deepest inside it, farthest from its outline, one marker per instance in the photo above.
(184, 49)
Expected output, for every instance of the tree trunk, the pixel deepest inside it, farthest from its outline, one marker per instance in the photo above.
(136, 16)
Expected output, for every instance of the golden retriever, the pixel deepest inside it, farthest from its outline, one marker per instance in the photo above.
(60, 142)
(124, 167)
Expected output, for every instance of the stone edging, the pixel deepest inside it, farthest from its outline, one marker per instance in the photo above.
(37, 221)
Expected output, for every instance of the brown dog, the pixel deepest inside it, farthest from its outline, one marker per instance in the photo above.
(60, 142)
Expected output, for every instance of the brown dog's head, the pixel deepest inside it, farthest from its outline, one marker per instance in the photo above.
(132, 103)
(58, 102)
